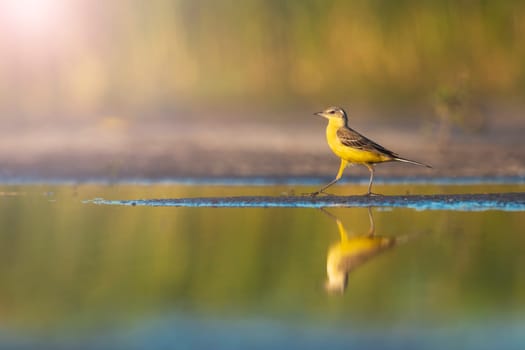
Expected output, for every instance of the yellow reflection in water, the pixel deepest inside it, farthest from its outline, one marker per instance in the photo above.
(66, 264)
(351, 252)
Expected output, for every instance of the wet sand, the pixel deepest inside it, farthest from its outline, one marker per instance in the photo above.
(114, 149)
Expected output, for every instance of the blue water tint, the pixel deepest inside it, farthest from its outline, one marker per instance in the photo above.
(194, 333)
(460, 202)
(267, 181)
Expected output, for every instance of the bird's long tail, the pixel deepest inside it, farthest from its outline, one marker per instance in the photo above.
(411, 162)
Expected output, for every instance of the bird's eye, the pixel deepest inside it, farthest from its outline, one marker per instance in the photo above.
(331, 112)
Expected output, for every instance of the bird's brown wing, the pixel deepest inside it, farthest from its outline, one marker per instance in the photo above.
(352, 138)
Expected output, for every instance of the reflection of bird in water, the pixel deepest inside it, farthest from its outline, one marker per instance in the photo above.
(352, 252)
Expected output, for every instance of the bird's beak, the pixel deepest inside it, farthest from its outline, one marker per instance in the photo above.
(319, 114)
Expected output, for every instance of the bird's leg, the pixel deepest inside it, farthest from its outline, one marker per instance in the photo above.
(342, 167)
(342, 232)
(371, 169)
(372, 229)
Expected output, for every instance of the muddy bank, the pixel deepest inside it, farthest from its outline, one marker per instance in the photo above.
(167, 149)
(462, 202)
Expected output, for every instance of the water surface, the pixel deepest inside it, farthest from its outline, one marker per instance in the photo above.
(89, 276)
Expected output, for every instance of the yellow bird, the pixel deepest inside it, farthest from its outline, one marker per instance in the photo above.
(354, 148)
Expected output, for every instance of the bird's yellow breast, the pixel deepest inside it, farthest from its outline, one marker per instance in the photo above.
(347, 153)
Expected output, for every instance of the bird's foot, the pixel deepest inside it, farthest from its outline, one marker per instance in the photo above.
(312, 194)
(315, 194)
(372, 194)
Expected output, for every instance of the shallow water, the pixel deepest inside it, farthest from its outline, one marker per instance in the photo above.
(75, 274)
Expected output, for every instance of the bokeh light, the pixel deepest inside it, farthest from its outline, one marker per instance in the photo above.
(34, 18)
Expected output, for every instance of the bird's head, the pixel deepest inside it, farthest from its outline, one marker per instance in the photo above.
(334, 114)
(336, 284)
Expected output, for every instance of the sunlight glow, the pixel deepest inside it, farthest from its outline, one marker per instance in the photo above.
(33, 17)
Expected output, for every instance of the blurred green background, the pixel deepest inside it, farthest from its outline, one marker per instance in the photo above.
(137, 59)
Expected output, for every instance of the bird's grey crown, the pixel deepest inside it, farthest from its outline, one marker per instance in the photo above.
(336, 110)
